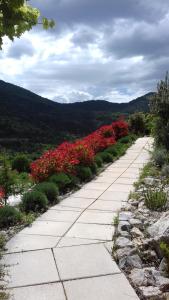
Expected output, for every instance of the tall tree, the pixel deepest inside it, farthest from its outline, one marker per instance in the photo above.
(17, 16)
(159, 105)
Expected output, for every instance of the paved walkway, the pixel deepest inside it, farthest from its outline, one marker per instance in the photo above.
(65, 254)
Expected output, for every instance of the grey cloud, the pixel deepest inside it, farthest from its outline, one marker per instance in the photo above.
(19, 48)
(101, 11)
(85, 36)
(140, 39)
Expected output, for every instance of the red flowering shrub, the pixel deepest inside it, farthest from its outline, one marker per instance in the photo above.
(2, 194)
(67, 156)
(106, 131)
(120, 128)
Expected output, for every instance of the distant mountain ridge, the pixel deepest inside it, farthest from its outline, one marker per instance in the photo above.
(25, 115)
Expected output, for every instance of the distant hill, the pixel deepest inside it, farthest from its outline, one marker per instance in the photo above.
(28, 118)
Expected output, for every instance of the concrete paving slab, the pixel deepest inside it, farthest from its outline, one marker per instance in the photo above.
(59, 215)
(69, 241)
(91, 231)
(76, 202)
(113, 206)
(110, 195)
(24, 242)
(65, 208)
(112, 287)
(29, 268)
(106, 179)
(115, 170)
(96, 186)
(47, 228)
(83, 193)
(123, 180)
(129, 174)
(126, 188)
(96, 217)
(53, 291)
(84, 261)
(109, 247)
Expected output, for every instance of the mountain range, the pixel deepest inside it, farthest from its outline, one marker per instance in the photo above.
(29, 119)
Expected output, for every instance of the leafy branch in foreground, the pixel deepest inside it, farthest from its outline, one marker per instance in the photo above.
(17, 16)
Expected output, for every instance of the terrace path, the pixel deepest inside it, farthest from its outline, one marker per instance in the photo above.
(66, 253)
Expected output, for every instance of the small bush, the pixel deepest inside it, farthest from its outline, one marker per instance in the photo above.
(9, 216)
(94, 168)
(21, 163)
(125, 140)
(160, 157)
(62, 180)
(165, 171)
(165, 250)
(112, 150)
(49, 189)
(155, 200)
(84, 173)
(106, 157)
(34, 201)
(137, 123)
(74, 180)
(98, 160)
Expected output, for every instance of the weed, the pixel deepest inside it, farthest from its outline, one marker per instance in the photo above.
(155, 199)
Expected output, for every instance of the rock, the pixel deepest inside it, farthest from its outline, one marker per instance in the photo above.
(150, 256)
(122, 242)
(136, 223)
(135, 232)
(163, 265)
(122, 252)
(133, 202)
(151, 292)
(163, 283)
(159, 228)
(124, 226)
(149, 181)
(125, 215)
(138, 278)
(133, 261)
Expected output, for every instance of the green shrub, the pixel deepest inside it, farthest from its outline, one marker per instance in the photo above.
(160, 157)
(84, 173)
(62, 180)
(98, 160)
(165, 250)
(49, 189)
(34, 201)
(106, 157)
(137, 123)
(117, 150)
(155, 200)
(159, 106)
(165, 171)
(74, 180)
(21, 163)
(112, 150)
(9, 216)
(94, 168)
(125, 140)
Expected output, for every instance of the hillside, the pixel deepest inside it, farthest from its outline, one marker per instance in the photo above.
(30, 119)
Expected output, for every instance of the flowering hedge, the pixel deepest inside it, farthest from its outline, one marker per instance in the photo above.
(2, 194)
(67, 156)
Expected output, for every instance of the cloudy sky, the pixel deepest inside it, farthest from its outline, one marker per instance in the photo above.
(100, 49)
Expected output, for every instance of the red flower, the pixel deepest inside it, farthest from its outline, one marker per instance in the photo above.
(2, 195)
(120, 128)
(67, 156)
